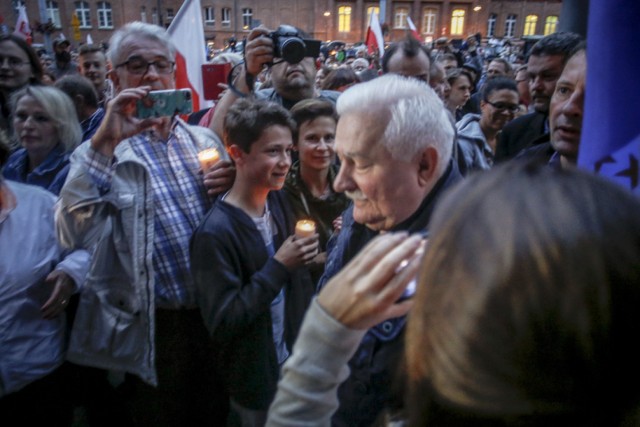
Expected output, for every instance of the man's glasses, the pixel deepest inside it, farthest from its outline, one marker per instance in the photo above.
(137, 65)
(12, 61)
(501, 106)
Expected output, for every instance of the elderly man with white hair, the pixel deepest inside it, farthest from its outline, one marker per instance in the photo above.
(394, 140)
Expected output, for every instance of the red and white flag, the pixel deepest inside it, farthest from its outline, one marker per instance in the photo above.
(187, 33)
(414, 31)
(89, 39)
(375, 40)
(22, 25)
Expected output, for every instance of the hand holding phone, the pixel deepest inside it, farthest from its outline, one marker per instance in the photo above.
(164, 103)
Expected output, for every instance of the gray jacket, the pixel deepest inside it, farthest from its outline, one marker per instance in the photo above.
(114, 326)
(475, 152)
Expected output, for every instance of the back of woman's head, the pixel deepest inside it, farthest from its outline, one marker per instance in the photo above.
(526, 309)
(58, 107)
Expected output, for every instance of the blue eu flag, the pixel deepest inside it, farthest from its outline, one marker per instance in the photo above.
(610, 142)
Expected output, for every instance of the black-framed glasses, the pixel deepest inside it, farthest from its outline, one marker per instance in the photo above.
(501, 106)
(138, 65)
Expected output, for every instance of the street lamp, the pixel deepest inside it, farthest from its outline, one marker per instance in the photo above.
(476, 9)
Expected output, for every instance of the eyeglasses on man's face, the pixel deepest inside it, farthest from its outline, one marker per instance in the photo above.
(139, 65)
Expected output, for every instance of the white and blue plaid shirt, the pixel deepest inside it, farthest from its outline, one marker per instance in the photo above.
(180, 202)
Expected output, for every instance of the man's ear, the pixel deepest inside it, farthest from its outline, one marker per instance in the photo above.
(427, 166)
(236, 153)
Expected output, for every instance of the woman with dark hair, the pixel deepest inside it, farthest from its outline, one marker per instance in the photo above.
(309, 184)
(524, 314)
(477, 133)
(340, 79)
(19, 66)
(46, 125)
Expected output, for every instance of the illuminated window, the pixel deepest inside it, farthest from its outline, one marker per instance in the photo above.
(247, 18)
(429, 21)
(226, 16)
(370, 11)
(550, 25)
(400, 18)
(83, 13)
(53, 13)
(105, 18)
(209, 16)
(491, 25)
(530, 23)
(457, 22)
(170, 15)
(344, 19)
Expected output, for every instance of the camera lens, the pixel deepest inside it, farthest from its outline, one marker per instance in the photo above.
(293, 50)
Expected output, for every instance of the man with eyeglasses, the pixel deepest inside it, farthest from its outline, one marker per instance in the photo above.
(134, 195)
(546, 61)
(477, 133)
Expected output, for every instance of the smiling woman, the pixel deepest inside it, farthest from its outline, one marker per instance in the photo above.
(47, 128)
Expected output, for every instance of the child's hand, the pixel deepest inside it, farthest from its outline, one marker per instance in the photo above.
(296, 251)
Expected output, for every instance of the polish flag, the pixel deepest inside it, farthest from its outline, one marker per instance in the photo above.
(414, 31)
(89, 39)
(22, 25)
(375, 40)
(187, 33)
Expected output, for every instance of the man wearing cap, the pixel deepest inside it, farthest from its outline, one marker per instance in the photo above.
(63, 65)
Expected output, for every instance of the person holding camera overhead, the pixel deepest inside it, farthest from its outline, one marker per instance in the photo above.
(134, 195)
(291, 55)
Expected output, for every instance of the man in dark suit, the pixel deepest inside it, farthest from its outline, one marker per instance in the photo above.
(546, 61)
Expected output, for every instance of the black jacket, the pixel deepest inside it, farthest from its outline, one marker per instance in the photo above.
(236, 281)
(519, 134)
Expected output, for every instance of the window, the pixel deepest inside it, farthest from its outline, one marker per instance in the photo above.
(143, 14)
(530, 23)
(457, 22)
(429, 21)
(400, 17)
(53, 13)
(154, 16)
(550, 25)
(226, 17)
(247, 18)
(84, 14)
(510, 26)
(105, 20)
(370, 11)
(209, 16)
(170, 15)
(17, 4)
(491, 25)
(344, 19)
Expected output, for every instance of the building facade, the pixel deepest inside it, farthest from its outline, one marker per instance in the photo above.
(324, 19)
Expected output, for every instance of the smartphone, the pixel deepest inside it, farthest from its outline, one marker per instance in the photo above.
(164, 103)
(212, 74)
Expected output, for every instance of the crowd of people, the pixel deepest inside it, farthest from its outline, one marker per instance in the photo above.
(459, 270)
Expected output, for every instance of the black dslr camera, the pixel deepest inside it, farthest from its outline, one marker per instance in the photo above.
(289, 46)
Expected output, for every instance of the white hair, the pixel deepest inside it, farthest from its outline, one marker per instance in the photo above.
(142, 30)
(417, 116)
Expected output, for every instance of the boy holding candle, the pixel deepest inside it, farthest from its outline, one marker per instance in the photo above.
(253, 288)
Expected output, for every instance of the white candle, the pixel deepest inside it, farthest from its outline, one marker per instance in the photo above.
(305, 228)
(208, 158)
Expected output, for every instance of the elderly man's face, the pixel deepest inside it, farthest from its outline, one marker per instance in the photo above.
(147, 50)
(385, 191)
(567, 108)
(416, 67)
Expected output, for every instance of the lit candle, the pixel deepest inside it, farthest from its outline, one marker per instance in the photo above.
(305, 228)
(208, 158)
